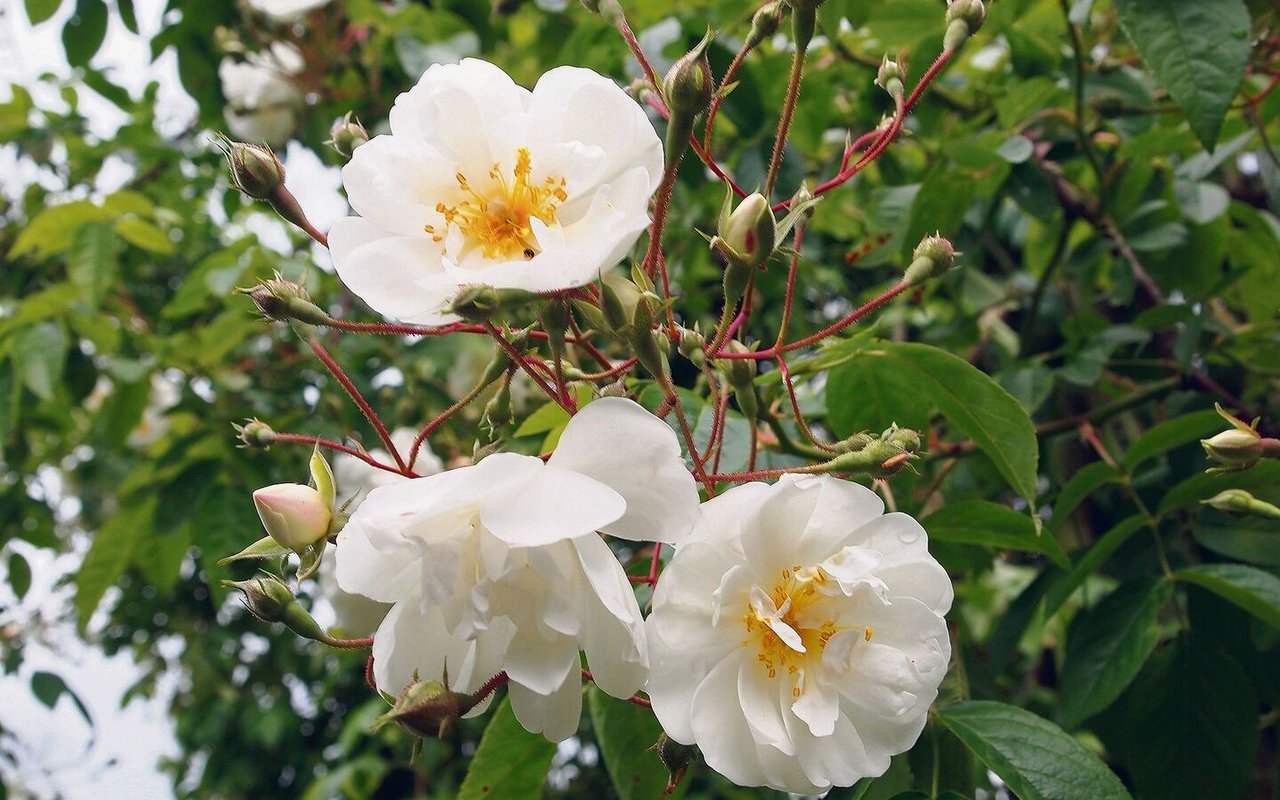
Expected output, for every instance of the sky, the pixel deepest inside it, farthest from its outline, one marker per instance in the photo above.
(59, 754)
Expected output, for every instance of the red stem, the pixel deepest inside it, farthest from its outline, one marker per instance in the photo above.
(358, 399)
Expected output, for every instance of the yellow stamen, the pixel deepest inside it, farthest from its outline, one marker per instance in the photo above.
(499, 221)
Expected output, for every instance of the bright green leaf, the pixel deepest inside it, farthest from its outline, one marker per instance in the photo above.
(113, 548)
(1032, 755)
(870, 394)
(140, 233)
(1167, 435)
(510, 761)
(40, 10)
(40, 354)
(91, 261)
(626, 734)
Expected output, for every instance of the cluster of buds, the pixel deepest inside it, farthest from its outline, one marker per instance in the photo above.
(878, 456)
(1239, 448)
(964, 18)
(629, 309)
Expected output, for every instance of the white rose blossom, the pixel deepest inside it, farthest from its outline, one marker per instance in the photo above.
(286, 10)
(356, 614)
(498, 566)
(262, 98)
(484, 182)
(797, 636)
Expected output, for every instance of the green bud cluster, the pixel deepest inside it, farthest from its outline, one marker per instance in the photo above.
(765, 23)
(891, 78)
(254, 433)
(1239, 448)
(878, 456)
(964, 18)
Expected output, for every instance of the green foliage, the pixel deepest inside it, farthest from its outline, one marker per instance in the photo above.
(510, 761)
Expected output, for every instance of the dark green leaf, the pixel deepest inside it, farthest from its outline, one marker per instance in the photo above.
(48, 687)
(975, 405)
(1197, 50)
(1172, 433)
(510, 761)
(1190, 492)
(85, 31)
(939, 208)
(1032, 755)
(1094, 558)
(1187, 728)
(1107, 646)
(127, 15)
(40, 354)
(870, 394)
(1085, 482)
(19, 575)
(980, 522)
(1243, 538)
(1253, 589)
(626, 734)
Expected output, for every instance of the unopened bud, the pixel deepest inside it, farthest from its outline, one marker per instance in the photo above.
(295, 516)
(676, 757)
(749, 234)
(1234, 450)
(1241, 502)
(688, 86)
(765, 23)
(255, 170)
(903, 438)
(346, 135)
(254, 433)
(426, 709)
(268, 599)
(609, 9)
(890, 78)
(737, 371)
(933, 257)
(618, 300)
(964, 18)
(481, 302)
(691, 345)
(878, 458)
(284, 300)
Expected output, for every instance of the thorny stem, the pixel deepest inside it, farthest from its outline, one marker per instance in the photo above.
(300, 438)
(799, 20)
(518, 358)
(444, 416)
(336, 370)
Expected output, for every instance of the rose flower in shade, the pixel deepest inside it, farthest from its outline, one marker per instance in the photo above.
(484, 182)
(797, 636)
(498, 566)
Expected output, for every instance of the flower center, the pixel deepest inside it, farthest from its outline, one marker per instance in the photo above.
(500, 221)
(791, 624)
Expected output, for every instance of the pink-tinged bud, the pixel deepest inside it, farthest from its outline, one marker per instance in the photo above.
(346, 135)
(255, 170)
(964, 18)
(295, 516)
(750, 233)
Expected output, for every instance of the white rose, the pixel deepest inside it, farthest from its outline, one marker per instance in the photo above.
(263, 100)
(797, 636)
(497, 566)
(483, 182)
(286, 10)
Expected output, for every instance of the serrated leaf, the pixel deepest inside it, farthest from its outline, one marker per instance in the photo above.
(975, 405)
(109, 555)
(1187, 727)
(980, 522)
(1197, 51)
(872, 394)
(91, 261)
(510, 761)
(626, 734)
(1253, 589)
(1107, 646)
(1036, 758)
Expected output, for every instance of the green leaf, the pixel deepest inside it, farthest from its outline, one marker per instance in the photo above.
(1089, 563)
(1187, 728)
(39, 355)
(1190, 492)
(140, 233)
(626, 734)
(52, 230)
(1242, 538)
(40, 10)
(1197, 50)
(19, 575)
(48, 687)
(1172, 433)
(112, 550)
(510, 761)
(85, 31)
(975, 405)
(1083, 483)
(1253, 589)
(92, 260)
(127, 15)
(988, 524)
(1032, 755)
(872, 394)
(1107, 646)
(939, 208)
